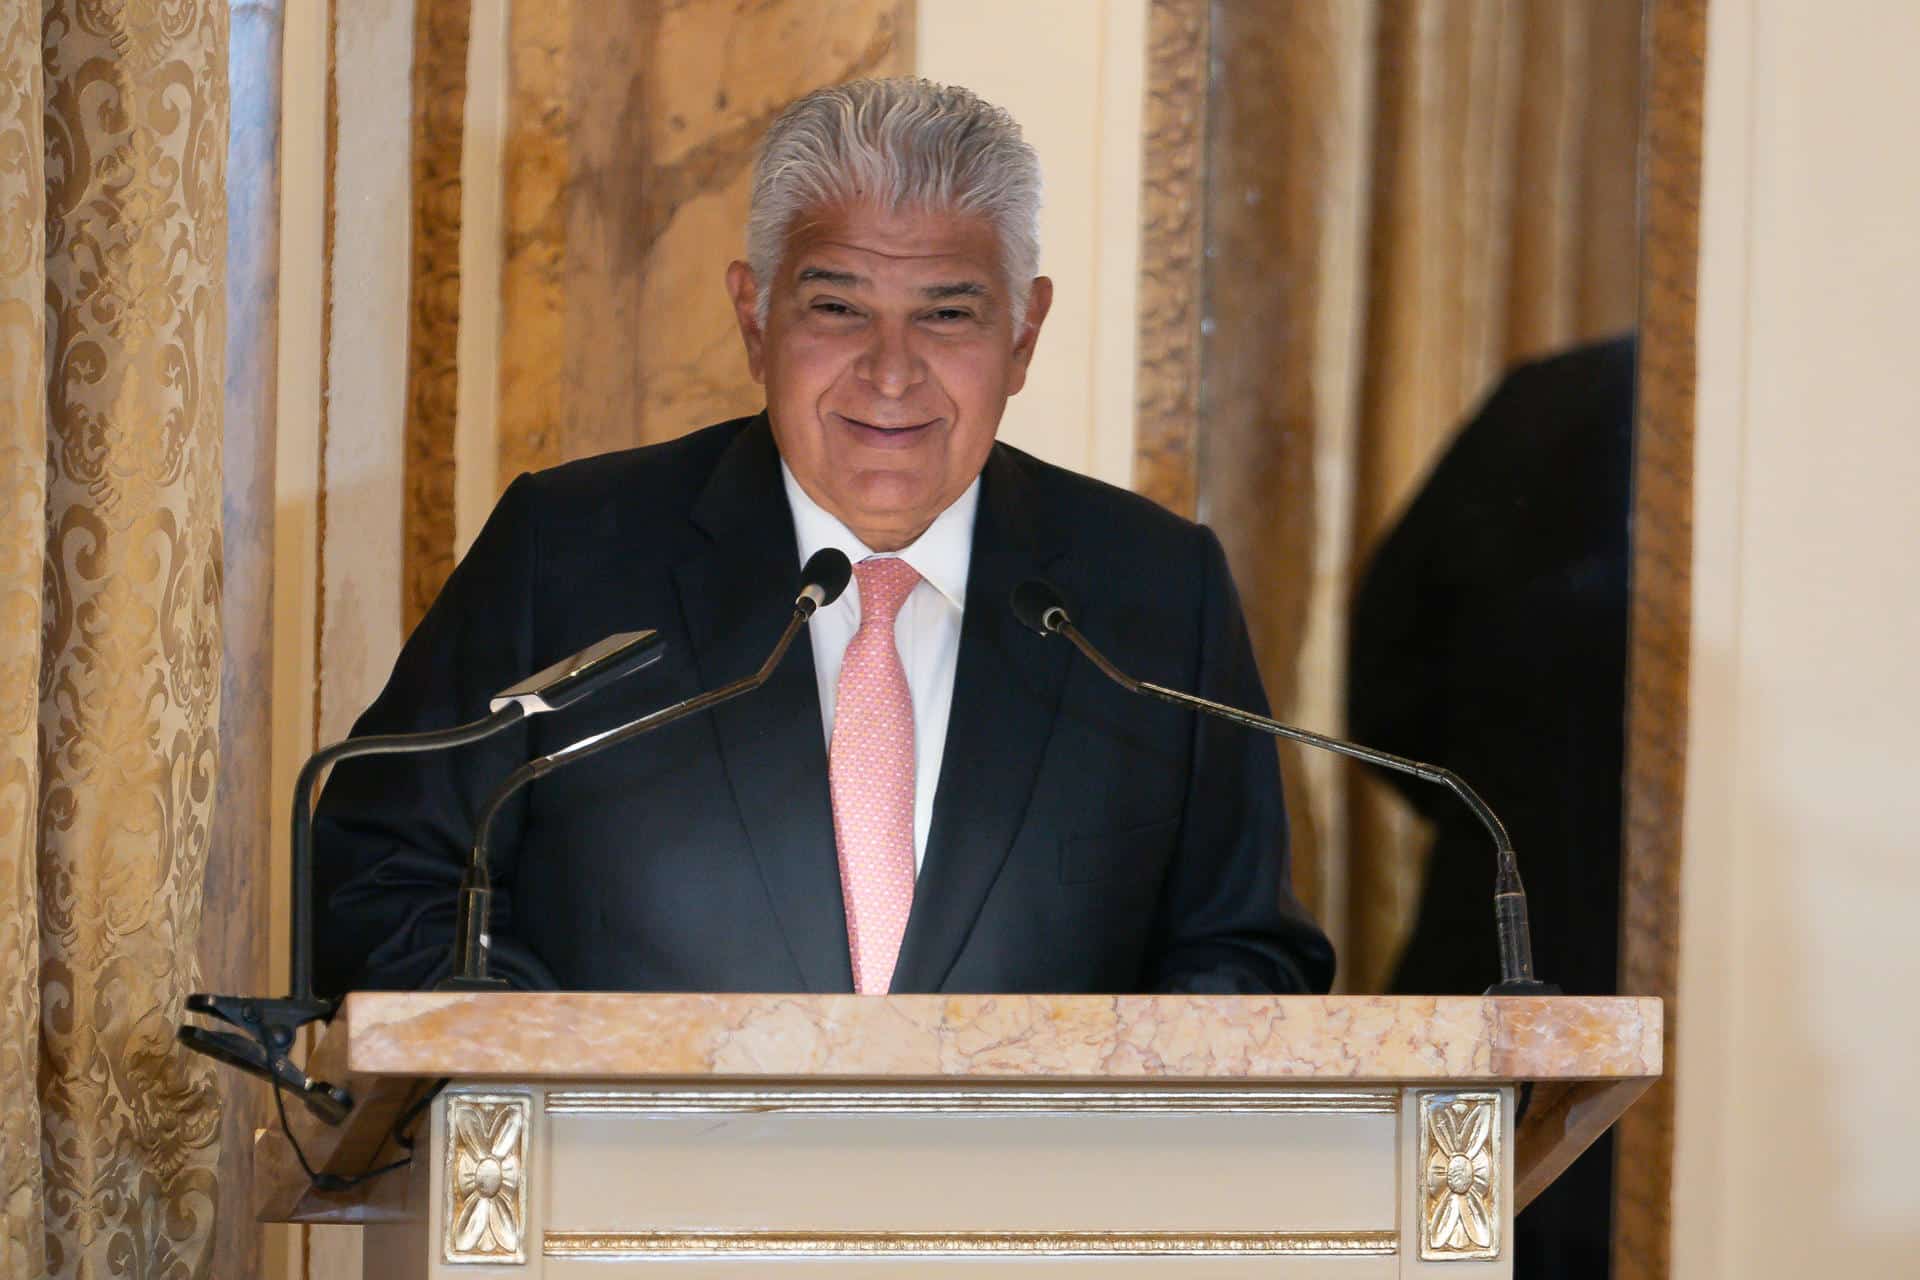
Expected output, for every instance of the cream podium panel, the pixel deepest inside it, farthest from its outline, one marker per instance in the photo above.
(699, 1137)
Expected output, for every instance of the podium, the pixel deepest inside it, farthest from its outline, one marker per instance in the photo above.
(691, 1137)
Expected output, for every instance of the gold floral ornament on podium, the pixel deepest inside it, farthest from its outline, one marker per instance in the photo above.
(486, 1177)
(1459, 1176)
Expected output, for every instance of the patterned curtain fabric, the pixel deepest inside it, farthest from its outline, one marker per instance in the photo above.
(1503, 228)
(23, 453)
(113, 138)
(1403, 198)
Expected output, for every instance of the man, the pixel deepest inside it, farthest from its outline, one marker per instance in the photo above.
(925, 796)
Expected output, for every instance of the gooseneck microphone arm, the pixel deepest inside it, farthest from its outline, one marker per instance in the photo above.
(1041, 608)
(471, 942)
(1352, 750)
(823, 579)
(268, 1027)
(300, 944)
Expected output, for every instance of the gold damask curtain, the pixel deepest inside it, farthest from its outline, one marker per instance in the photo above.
(113, 138)
(1503, 227)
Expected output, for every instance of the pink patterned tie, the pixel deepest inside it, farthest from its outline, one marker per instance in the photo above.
(870, 766)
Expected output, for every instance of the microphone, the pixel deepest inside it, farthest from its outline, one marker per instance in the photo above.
(823, 578)
(1040, 607)
(269, 1024)
(574, 679)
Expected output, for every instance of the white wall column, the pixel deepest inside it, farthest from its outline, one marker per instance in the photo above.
(1798, 1115)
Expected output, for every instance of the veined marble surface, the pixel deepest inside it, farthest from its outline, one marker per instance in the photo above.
(585, 1036)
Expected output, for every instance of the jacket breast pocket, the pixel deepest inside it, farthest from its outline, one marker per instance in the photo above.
(1128, 852)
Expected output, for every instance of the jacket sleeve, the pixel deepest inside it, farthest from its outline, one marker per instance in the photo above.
(392, 832)
(1228, 922)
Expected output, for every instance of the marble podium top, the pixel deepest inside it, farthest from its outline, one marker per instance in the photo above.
(1381, 1039)
(1589, 1057)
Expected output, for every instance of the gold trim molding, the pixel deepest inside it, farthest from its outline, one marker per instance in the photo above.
(1460, 1172)
(1172, 235)
(693, 1245)
(1173, 1099)
(486, 1177)
(440, 39)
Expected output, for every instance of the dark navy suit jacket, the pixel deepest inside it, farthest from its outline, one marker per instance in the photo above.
(1083, 839)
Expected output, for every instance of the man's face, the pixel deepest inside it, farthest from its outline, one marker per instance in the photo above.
(888, 354)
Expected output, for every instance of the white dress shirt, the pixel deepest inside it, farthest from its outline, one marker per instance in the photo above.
(927, 630)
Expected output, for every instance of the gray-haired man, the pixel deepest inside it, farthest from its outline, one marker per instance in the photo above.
(925, 797)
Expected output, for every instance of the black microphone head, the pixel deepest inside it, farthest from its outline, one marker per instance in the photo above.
(1040, 606)
(826, 575)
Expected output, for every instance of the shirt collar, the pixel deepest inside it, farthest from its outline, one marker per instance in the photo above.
(940, 555)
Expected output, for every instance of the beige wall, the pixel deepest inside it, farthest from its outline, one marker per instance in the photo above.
(303, 146)
(296, 489)
(1799, 1114)
(1073, 75)
(363, 441)
(476, 442)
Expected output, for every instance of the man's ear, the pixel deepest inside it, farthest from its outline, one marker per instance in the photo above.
(745, 292)
(1039, 301)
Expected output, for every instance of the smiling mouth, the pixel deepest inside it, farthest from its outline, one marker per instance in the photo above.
(884, 434)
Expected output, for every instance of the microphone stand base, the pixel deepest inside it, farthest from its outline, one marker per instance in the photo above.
(1523, 989)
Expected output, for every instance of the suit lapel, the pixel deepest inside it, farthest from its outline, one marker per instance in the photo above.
(1006, 692)
(736, 596)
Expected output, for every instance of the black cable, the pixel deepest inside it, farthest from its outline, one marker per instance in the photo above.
(396, 1134)
(403, 1139)
(329, 1181)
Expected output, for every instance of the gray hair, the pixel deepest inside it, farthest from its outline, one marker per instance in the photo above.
(907, 144)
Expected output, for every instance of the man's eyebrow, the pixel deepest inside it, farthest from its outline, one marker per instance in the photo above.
(935, 292)
(842, 279)
(956, 289)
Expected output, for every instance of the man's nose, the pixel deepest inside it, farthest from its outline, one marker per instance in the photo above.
(890, 363)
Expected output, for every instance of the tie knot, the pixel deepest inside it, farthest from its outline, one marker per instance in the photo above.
(885, 584)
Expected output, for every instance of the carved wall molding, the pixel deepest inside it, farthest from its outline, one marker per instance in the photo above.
(485, 1175)
(1659, 646)
(1170, 1099)
(1172, 230)
(654, 1246)
(440, 39)
(1460, 1176)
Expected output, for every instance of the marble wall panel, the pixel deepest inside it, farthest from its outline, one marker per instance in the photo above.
(630, 141)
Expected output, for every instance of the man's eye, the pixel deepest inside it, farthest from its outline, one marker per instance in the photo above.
(950, 315)
(828, 307)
